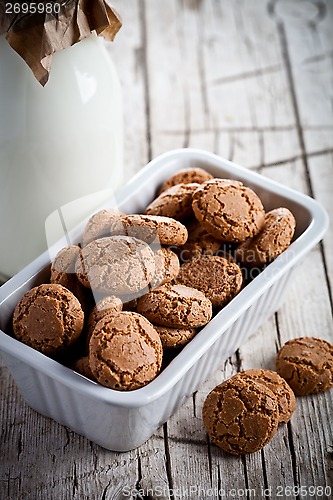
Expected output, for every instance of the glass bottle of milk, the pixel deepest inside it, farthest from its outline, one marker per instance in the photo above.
(58, 143)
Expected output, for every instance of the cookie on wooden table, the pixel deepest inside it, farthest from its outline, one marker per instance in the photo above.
(306, 364)
(240, 416)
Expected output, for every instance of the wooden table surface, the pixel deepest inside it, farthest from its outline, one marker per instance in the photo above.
(252, 81)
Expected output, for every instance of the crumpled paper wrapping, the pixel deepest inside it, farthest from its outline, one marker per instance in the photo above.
(36, 37)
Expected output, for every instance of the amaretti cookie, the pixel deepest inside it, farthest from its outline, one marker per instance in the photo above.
(285, 396)
(186, 176)
(271, 241)
(175, 202)
(109, 304)
(228, 210)
(82, 366)
(154, 228)
(63, 273)
(116, 265)
(99, 225)
(219, 279)
(241, 416)
(166, 267)
(199, 242)
(176, 306)
(306, 364)
(172, 338)
(125, 351)
(48, 318)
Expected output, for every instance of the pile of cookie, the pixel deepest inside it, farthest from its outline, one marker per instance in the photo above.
(139, 286)
(242, 414)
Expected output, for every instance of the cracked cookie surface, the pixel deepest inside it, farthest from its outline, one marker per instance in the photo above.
(116, 265)
(172, 338)
(219, 279)
(228, 210)
(48, 318)
(271, 241)
(272, 380)
(186, 176)
(306, 364)
(175, 202)
(176, 306)
(154, 228)
(240, 416)
(125, 351)
(199, 242)
(99, 225)
(63, 273)
(109, 304)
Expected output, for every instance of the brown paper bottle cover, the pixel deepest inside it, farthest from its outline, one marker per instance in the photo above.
(36, 37)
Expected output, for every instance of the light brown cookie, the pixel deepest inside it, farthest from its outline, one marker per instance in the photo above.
(175, 202)
(116, 265)
(186, 176)
(228, 210)
(219, 279)
(240, 416)
(270, 242)
(99, 224)
(166, 267)
(82, 366)
(125, 351)
(176, 305)
(109, 304)
(154, 228)
(285, 396)
(199, 242)
(306, 364)
(172, 338)
(63, 273)
(48, 318)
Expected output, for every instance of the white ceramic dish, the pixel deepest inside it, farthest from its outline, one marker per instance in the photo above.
(123, 420)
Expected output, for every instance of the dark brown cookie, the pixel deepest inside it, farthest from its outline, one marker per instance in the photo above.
(63, 273)
(172, 338)
(306, 364)
(199, 242)
(82, 366)
(116, 265)
(240, 416)
(219, 279)
(125, 351)
(48, 318)
(228, 210)
(186, 176)
(175, 202)
(176, 306)
(270, 242)
(99, 224)
(279, 387)
(154, 228)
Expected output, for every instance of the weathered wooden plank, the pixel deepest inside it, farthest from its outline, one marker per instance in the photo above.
(306, 32)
